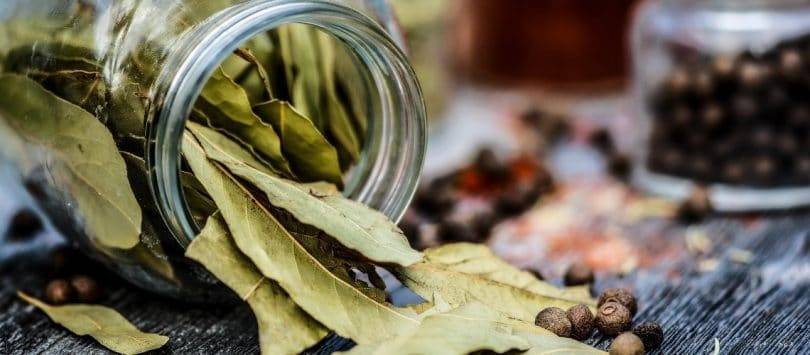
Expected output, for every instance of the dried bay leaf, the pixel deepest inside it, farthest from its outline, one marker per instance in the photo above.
(51, 57)
(221, 148)
(338, 305)
(227, 106)
(466, 329)
(342, 132)
(105, 325)
(85, 159)
(477, 259)
(265, 92)
(284, 328)
(351, 223)
(82, 88)
(427, 279)
(310, 153)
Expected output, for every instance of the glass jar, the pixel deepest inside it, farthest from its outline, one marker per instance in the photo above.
(153, 59)
(722, 89)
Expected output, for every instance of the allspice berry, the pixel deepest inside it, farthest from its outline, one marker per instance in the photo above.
(58, 292)
(650, 334)
(578, 274)
(621, 295)
(626, 344)
(554, 320)
(87, 289)
(581, 320)
(613, 318)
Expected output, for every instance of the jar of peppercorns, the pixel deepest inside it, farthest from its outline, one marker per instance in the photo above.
(723, 95)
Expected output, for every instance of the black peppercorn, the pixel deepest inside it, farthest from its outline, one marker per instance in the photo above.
(438, 199)
(712, 116)
(613, 318)
(733, 172)
(678, 81)
(650, 334)
(23, 225)
(697, 207)
(453, 231)
(487, 163)
(619, 166)
(58, 292)
(763, 168)
(752, 75)
(87, 289)
(578, 274)
(621, 295)
(745, 107)
(724, 66)
(790, 63)
(626, 344)
(704, 83)
(410, 227)
(581, 320)
(554, 320)
(602, 141)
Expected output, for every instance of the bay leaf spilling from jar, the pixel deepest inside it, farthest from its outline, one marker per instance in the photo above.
(267, 147)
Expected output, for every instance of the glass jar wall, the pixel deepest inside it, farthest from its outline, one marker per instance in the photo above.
(723, 90)
(97, 95)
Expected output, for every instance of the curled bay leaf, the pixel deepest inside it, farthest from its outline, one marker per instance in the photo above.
(85, 160)
(428, 278)
(351, 223)
(227, 106)
(284, 328)
(477, 259)
(105, 325)
(332, 301)
(310, 153)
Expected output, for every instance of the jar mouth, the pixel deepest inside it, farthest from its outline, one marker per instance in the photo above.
(386, 176)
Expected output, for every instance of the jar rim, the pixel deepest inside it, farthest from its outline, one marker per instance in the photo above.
(392, 162)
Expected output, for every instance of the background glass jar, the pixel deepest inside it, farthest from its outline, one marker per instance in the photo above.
(149, 61)
(723, 89)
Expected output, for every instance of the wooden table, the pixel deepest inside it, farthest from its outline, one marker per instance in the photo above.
(762, 307)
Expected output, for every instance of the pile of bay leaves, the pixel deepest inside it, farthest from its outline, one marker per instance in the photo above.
(265, 152)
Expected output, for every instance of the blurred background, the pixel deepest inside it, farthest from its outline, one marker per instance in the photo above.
(605, 132)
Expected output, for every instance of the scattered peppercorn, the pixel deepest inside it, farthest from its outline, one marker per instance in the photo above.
(695, 208)
(650, 334)
(621, 295)
(23, 225)
(619, 166)
(87, 289)
(555, 320)
(452, 231)
(581, 319)
(613, 318)
(602, 141)
(626, 344)
(58, 292)
(578, 274)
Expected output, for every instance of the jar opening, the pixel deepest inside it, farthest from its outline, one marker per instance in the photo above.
(386, 173)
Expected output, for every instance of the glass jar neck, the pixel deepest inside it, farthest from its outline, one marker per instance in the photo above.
(388, 172)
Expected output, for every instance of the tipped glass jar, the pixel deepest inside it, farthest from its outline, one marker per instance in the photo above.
(97, 94)
(723, 90)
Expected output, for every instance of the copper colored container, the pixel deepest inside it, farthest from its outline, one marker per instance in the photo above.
(557, 43)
